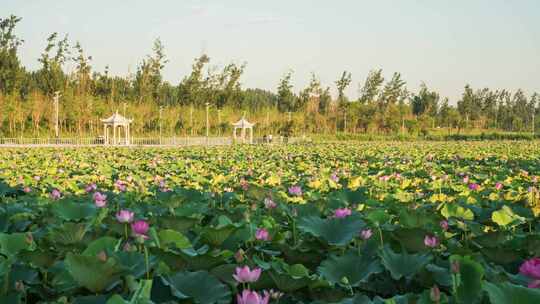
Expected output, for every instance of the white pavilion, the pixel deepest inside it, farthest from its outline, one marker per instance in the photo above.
(116, 122)
(243, 125)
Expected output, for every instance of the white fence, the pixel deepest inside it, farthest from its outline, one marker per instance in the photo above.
(182, 141)
(151, 141)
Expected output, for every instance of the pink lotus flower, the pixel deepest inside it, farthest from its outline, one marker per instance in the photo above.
(342, 212)
(163, 186)
(252, 297)
(498, 186)
(124, 216)
(27, 189)
(269, 203)
(334, 177)
(140, 228)
(120, 185)
(366, 234)
(100, 199)
(534, 284)
(90, 187)
(531, 269)
(466, 179)
(384, 178)
(431, 241)
(474, 187)
(244, 184)
(295, 190)
(55, 194)
(246, 275)
(37, 178)
(444, 225)
(262, 234)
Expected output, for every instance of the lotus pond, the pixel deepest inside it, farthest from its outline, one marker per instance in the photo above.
(323, 223)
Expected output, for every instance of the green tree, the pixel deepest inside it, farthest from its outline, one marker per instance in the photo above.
(372, 86)
(51, 77)
(192, 88)
(393, 90)
(425, 102)
(148, 79)
(228, 86)
(342, 83)
(286, 98)
(11, 71)
(324, 100)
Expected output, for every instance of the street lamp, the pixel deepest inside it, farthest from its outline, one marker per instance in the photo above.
(207, 122)
(160, 112)
(56, 111)
(219, 121)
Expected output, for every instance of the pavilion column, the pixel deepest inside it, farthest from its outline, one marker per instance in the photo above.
(114, 135)
(127, 136)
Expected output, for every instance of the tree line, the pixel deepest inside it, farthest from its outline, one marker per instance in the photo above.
(383, 106)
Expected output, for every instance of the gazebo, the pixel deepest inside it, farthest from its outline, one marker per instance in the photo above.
(116, 121)
(243, 124)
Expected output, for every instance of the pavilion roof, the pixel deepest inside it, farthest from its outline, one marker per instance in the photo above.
(243, 123)
(117, 119)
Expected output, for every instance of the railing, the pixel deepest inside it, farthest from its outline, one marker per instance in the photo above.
(182, 141)
(152, 141)
(51, 141)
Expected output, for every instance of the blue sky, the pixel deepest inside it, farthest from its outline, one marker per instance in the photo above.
(494, 43)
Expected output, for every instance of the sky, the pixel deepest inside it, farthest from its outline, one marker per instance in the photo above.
(446, 44)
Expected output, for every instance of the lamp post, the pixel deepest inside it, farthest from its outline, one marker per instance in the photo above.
(207, 123)
(219, 121)
(160, 112)
(533, 112)
(56, 112)
(191, 118)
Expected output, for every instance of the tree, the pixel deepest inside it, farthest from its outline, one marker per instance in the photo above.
(324, 100)
(191, 89)
(286, 99)
(51, 77)
(425, 101)
(342, 83)
(309, 97)
(148, 79)
(522, 112)
(228, 86)
(393, 90)
(82, 100)
(466, 105)
(535, 99)
(11, 71)
(371, 87)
